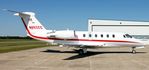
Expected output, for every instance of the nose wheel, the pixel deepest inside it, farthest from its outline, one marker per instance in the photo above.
(133, 50)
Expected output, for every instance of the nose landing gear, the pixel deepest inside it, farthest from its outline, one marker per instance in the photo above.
(133, 50)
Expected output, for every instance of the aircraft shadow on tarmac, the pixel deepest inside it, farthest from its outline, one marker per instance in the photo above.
(89, 53)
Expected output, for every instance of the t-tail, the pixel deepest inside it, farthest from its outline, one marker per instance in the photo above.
(33, 27)
(30, 22)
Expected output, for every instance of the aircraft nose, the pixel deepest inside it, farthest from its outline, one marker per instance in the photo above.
(140, 42)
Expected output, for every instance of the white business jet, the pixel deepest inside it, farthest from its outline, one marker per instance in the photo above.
(79, 39)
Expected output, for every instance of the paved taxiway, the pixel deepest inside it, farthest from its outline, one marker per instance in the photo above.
(55, 58)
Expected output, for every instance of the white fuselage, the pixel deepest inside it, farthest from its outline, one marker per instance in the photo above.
(85, 38)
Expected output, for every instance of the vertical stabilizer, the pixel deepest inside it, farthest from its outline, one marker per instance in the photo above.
(32, 25)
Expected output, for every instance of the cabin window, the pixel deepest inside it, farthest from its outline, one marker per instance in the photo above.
(90, 35)
(124, 36)
(95, 35)
(83, 35)
(113, 36)
(107, 35)
(101, 35)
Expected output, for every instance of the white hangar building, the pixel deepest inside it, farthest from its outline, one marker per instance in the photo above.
(139, 29)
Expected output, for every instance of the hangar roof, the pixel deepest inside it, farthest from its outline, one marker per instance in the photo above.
(118, 22)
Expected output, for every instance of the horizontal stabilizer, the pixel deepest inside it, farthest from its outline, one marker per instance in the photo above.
(20, 13)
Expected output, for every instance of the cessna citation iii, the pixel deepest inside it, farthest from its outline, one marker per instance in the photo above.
(78, 39)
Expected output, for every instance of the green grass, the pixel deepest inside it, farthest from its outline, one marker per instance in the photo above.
(9, 45)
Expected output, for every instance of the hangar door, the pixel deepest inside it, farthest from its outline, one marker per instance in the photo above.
(130, 29)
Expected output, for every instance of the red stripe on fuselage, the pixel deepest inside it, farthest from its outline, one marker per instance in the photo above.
(46, 38)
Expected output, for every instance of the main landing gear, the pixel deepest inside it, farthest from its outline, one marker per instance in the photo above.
(82, 51)
(133, 50)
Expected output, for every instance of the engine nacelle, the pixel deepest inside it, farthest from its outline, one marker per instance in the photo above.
(64, 34)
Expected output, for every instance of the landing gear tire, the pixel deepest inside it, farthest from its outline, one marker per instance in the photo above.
(82, 51)
(133, 50)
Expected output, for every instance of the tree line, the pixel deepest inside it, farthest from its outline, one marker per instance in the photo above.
(15, 37)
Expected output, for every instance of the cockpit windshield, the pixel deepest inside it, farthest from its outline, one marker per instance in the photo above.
(128, 36)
